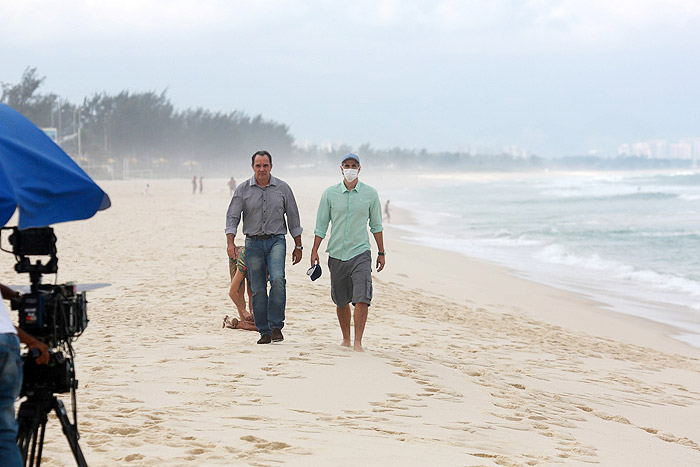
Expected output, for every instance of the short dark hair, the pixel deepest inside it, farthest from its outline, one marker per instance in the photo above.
(260, 153)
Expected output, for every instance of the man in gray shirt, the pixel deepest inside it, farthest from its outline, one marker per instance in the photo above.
(264, 201)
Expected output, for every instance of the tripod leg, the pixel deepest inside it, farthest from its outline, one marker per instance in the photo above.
(30, 418)
(70, 431)
(41, 445)
(25, 433)
(26, 436)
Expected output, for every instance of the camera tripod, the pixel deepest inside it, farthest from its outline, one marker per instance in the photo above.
(32, 418)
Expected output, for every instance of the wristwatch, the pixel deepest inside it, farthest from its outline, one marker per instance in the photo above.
(298, 247)
(382, 253)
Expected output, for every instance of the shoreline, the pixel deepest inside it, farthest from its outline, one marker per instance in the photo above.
(604, 300)
(464, 364)
(536, 299)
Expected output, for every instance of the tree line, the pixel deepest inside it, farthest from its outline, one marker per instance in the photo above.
(146, 130)
(110, 134)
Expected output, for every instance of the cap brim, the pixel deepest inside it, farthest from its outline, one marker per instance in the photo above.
(316, 273)
(350, 156)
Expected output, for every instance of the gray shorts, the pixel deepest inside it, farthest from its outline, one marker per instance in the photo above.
(351, 280)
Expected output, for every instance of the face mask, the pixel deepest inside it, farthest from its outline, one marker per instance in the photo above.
(350, 174)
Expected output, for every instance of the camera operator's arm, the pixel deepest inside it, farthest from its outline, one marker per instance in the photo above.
(33, 343)
(8, 293)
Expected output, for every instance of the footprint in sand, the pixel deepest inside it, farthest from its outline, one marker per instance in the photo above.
(265, 445)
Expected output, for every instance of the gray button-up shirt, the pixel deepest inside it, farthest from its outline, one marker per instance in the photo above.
(263, 209)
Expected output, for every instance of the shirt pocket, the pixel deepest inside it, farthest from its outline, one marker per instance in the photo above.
(275, 204)
(362, 207)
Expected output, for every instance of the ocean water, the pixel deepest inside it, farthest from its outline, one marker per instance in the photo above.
(631, 241)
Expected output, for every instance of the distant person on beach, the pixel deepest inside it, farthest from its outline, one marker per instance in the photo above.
(349, 206)
(239, 280)
(11, 378)
(194, 184)
(264, 201)
(201, 184)
(231, 186)
(387, 215)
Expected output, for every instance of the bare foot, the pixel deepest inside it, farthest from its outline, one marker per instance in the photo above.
(231, 323)
(358, 347)
(345, 343)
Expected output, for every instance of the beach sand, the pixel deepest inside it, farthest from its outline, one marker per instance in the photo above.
(465, 363)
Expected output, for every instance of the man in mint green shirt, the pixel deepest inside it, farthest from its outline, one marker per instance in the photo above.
(349, 206)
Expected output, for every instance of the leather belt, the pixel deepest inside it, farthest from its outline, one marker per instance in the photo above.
(260, 237)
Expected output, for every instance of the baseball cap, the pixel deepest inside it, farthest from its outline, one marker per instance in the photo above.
(350, 156)
(314, 272)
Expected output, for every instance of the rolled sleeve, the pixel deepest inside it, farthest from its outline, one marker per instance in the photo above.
(375, 216)
(323, 216)
(292, 211)
(233, 215)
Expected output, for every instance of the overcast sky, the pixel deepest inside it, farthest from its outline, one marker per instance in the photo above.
(556, 78)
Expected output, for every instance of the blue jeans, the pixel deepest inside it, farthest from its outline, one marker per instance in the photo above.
(10, 384)
(263, 257)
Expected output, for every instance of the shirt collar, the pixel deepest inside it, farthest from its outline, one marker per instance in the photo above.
(343, 188)
(273, 181)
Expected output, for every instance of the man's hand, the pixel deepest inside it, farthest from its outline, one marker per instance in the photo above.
(296, 255)
(32, 343)
(314, 257)
(381, 260)
(44, 356)
(232, 251)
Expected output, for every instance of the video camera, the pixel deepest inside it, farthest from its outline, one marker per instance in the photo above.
(54, 314)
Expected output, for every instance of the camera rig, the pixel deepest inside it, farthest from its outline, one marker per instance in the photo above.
(55, 315)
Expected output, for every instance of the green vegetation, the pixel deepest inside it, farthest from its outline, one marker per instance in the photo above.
(141, 133)
(147, 131)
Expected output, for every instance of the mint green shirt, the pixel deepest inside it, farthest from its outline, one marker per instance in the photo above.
(348, 212)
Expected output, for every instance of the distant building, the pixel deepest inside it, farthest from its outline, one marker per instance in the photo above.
(659, 149)
(624, 150)
(694, 144)
(680, 151)
(685, 149)
(515, 152)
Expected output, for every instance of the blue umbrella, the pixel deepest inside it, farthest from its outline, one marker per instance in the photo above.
(40, 179)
